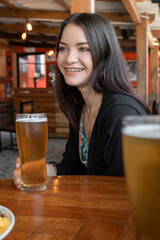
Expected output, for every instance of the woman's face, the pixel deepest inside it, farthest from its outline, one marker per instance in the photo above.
(75, 58)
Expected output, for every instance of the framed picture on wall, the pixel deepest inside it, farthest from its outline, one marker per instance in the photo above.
(8, 90)
(2, 91)
(8, 61)
(132, 68)
(9, 73)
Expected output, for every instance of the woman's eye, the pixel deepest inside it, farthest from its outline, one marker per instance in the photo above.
(62, 49)
(84, 49)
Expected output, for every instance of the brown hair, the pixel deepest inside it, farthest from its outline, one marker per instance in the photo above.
(110, 70)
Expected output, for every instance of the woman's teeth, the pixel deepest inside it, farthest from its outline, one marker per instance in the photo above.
(74, 69)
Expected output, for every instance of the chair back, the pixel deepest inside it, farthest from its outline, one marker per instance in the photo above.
(26, 106)
(155, 107)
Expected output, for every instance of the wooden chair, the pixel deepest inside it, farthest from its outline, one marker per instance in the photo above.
(8, 123)
(26, 106)
(155, 107)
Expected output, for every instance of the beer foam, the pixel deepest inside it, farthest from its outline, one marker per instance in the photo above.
(143, 131)
(32, 120)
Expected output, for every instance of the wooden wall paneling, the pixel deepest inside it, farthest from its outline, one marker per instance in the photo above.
(44, 101)
(82, 6)
(2, 63)
(154, 74)
(142, 58)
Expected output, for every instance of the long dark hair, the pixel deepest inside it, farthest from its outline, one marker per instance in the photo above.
(110, 70)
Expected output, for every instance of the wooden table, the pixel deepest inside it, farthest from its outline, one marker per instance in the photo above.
(72, 208)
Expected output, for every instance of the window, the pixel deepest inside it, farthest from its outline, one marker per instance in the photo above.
(32, 70)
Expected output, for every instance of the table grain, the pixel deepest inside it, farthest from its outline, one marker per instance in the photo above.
(72, 208)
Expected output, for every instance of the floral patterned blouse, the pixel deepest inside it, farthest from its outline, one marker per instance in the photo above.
(83, 143)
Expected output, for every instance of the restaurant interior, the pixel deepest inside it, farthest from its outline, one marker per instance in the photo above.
(73, 207)
(28, 31)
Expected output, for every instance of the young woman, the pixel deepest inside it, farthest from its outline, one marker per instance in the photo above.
(94, 93)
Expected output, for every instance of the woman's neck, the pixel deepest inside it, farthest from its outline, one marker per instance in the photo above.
(93, 101)
(91, 109)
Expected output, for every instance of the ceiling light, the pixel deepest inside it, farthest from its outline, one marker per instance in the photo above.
(24, 36)
(29, 26)
(50, 53)
(156, 43)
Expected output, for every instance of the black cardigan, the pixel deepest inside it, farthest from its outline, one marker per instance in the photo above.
(105, 147)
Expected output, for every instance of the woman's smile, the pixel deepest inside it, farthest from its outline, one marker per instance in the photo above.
(74, 69)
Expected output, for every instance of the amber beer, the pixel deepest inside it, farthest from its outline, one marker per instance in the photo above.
(141, 149)
(32, 136)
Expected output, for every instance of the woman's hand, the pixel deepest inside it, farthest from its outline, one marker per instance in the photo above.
(51, 171)
(17, 173)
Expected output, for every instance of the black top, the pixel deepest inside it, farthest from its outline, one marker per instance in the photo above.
(105, 147)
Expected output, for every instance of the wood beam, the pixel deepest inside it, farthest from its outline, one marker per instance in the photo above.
(82, 6)
(31, 44)
(41, 29)
(117, 17)
(132, 10)
(25, 13)
(37, 29)
(142, 58)
(6, 3)
(151, 18)
(156, 33)
(109, 1)
(7, 47)
(127, 43)
(29, 37)
(150, 38)
(64, 4)
(154, 74)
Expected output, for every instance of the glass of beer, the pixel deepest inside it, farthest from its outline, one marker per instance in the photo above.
(32, 138)
(141, 153)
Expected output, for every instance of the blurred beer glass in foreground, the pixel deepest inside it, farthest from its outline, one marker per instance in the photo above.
(141, 149)
(32, 137)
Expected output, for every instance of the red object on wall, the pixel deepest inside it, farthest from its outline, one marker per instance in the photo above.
(6, 83)
(9, 65)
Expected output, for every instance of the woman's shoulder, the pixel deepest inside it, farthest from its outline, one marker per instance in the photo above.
(121, 101)
(118, 97)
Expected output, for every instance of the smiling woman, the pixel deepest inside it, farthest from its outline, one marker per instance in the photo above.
(94, 93)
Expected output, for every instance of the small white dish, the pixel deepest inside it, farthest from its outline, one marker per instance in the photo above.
(11, 218)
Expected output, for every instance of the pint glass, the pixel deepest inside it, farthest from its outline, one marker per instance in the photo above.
(32, 137)
(141, 152)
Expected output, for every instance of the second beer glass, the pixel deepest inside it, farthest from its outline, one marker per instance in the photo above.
(141, 149)
(32, 137)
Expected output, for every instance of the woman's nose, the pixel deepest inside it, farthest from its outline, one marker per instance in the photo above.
(72, 56)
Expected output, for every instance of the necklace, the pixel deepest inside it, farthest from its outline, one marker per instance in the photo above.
(89, 117)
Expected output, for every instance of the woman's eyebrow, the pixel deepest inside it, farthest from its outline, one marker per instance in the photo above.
(80, 43)
(63, 43)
